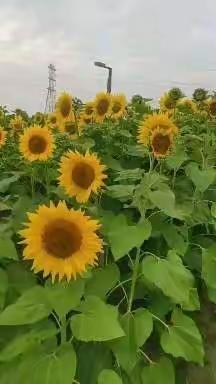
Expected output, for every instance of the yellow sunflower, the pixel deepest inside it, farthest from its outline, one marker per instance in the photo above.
(80, 175)
(61, 242)
(161, 142)
(102, 106)
(211, 104)
(17, 123)
(88, 109)
(64, 105)
(3, 136)
(84, 120)
(52, 120)
(69, 126)
(152, 123)
(118, 106)
(167, 104)
(186, 105)
(37, 143)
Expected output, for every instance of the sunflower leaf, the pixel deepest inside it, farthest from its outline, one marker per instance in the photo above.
(107, 376)
(160, 373)
(103, 279)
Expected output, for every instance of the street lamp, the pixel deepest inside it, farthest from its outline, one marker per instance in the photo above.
(109, 80)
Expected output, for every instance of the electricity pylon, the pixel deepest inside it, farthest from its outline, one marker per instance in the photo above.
(51, 90)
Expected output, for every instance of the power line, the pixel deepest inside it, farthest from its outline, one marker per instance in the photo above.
(51, 90)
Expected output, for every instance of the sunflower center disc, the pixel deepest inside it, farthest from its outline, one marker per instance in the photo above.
(37, 145)
(89, 110)
(65, 108)
(213, 108)
(70, 127)
(53, 120)
(116, 107)
(83, 175)
(161, 143)
(62, 239)
(103, 106)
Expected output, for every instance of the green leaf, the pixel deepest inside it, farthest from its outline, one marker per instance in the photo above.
(183, 338)
(201, 179)
(3, 287)
(21, 207)
(123, 237)
(19, 277)
(107, 376)
(209, 266)
(137, 327)
(7, 249)
(102, 281)
(213, 209)
(175, 238)
(112, 163)
(129, 174)
(177, 159)
(160, 373)
(121, 192)
(31, 307)
(97, 322)
(57, 367)
(5, 183)
(169, 275)
(165, 200)
(193, 304)
(64, 296)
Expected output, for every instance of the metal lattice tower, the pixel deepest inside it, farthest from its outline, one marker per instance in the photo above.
(51, 90)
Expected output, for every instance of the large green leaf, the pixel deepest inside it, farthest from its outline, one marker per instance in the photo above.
(169, 275)
(7, 249)
(97, 322)
(5, 183)
(183, 338)
(103, 279)
(20, 278)
(107, 376)
(3, 287)
(137, 327)
(177, 159)
(209, 266)
(160, 373)
(201, 179)
(165, 201)
(122, 192)
(31, 307)
(64, 296)
(175, 237)
(123, 237)
(49, 367)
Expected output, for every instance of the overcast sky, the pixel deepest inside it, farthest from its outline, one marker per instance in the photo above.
(152, 45)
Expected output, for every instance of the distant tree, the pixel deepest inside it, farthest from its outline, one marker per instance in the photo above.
(22, 113)
(200, 94)
(175, 94)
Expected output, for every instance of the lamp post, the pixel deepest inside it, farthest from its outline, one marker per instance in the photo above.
(109, 80)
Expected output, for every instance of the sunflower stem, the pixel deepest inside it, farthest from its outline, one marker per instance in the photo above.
(134, 279)
(63, 330)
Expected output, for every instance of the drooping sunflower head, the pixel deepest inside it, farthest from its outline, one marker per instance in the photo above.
(36, 143)
(186, 105)
(102, 106)
(211, 103)
(88, 109)
(167, 103)
(64, 105)
(61, 242)
(17, 123)
(3, 136)
(161, 142)
(81, 175)
(118, 106)
(52, 119)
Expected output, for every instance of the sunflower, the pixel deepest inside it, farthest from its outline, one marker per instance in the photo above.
(84, 120)
(186, 105)
(211, 104)
(118, 106)
(80, 175)
(88, 108)
(64, 105)
(52, 120)
(37, 143)
(68, 125)
(102, 106)
(17, 123)
(3, 136)
(161, 142)
(167, 104)
(61, 242)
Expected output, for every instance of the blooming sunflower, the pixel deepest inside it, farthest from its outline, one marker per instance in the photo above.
(161, 142)
(36, 143)
(64, 105)
(17, 123)
(80, 175)
(3, 135)
(102, 106)
(88, 108)
(211, 104)
(61, 242)
(52, 120)
(118, 106)
(69, 126)
(153, 122)
(186, 105)
(167, 104)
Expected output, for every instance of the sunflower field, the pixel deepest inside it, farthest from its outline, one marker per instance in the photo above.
(108, 242)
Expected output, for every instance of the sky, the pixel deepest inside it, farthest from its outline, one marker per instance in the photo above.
(152, 45)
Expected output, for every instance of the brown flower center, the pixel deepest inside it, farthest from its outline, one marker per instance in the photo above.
(102, 107)
(116, 107)
(70, 127)
(37, 145)
(161, 143)
(53, 119)
(1, 136)
(61, 239)
(87, 120)
(83, 175)
(212, 107)
(89, 110)
(65, 107)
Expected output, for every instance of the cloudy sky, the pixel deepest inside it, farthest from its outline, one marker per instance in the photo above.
(151, 44)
